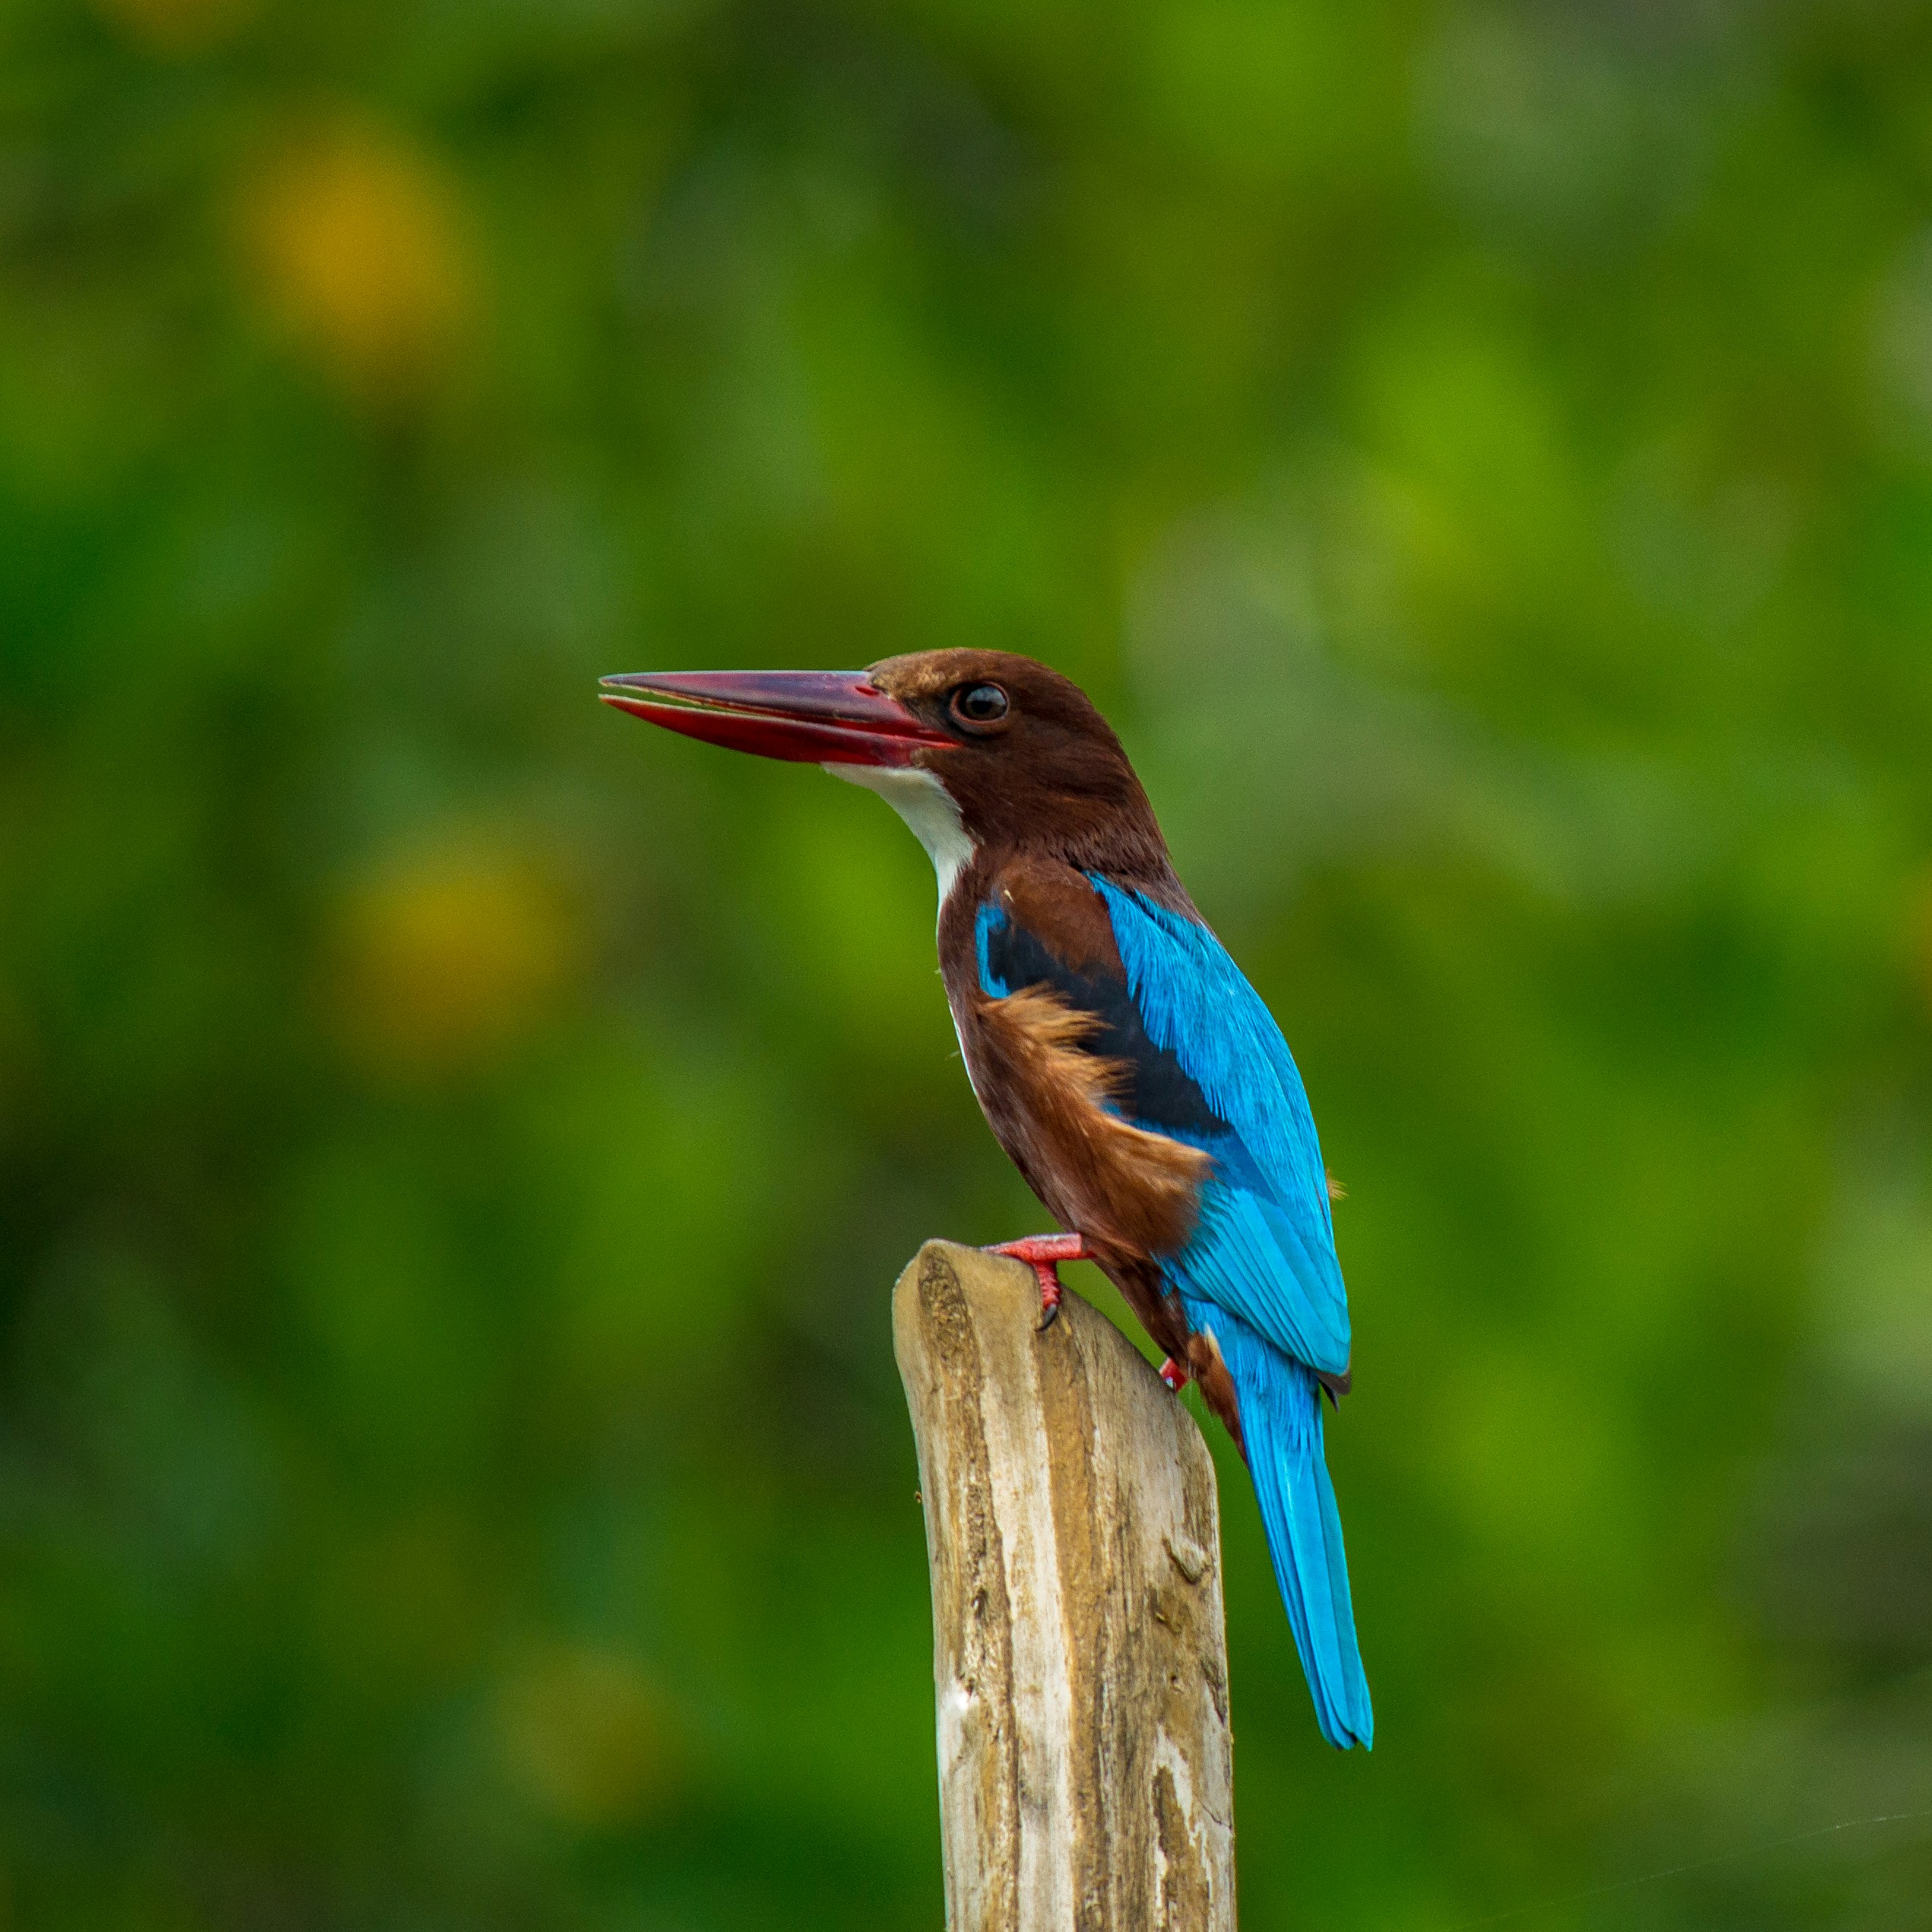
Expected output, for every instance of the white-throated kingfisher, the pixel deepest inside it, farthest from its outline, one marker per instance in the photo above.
(1130, 1072)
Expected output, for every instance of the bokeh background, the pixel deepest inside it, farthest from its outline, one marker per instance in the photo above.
(458, 1144)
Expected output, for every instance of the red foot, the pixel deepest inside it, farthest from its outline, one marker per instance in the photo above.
(1174, 1375)
(1043, 1253)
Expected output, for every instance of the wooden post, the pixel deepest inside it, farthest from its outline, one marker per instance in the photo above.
(1085, 1762)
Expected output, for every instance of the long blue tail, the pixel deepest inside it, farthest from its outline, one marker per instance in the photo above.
(1281, 1426)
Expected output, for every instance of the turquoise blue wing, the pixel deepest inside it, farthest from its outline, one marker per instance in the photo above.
(1264, 1247)
(1205, 1063)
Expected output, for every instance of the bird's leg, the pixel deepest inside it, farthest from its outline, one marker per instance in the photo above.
(1174, 1375)
(1043, 1253)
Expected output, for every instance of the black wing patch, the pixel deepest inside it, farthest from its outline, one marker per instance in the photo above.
(1160, 1093)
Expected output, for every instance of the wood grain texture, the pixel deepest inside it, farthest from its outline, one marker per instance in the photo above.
(1079, 1660)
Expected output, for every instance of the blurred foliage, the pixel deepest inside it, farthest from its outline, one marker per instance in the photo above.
(455, 1147)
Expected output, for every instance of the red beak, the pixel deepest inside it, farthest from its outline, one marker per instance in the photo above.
(816, 717)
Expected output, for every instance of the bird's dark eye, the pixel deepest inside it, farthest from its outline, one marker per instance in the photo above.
(980, 704)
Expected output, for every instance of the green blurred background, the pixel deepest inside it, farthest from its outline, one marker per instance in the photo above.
(456, 1146)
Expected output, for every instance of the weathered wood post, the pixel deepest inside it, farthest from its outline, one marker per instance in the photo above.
(1086, 1774)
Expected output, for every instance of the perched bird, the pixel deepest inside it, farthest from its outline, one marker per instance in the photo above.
(1131, 1073)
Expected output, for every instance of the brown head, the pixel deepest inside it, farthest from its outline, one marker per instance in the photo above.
(973, 748)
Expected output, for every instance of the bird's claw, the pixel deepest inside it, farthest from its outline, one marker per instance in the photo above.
(1043, 1253)
(1049, 1295)
(1174, 1375)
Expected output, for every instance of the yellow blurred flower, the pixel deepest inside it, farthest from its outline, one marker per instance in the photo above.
(177, 26)
(441, 962)
(353, 242)
(587, 1737)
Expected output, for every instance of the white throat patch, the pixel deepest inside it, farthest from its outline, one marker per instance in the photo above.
(926, 805)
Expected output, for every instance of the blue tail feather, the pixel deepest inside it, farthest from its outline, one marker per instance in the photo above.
(1281, 1426)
